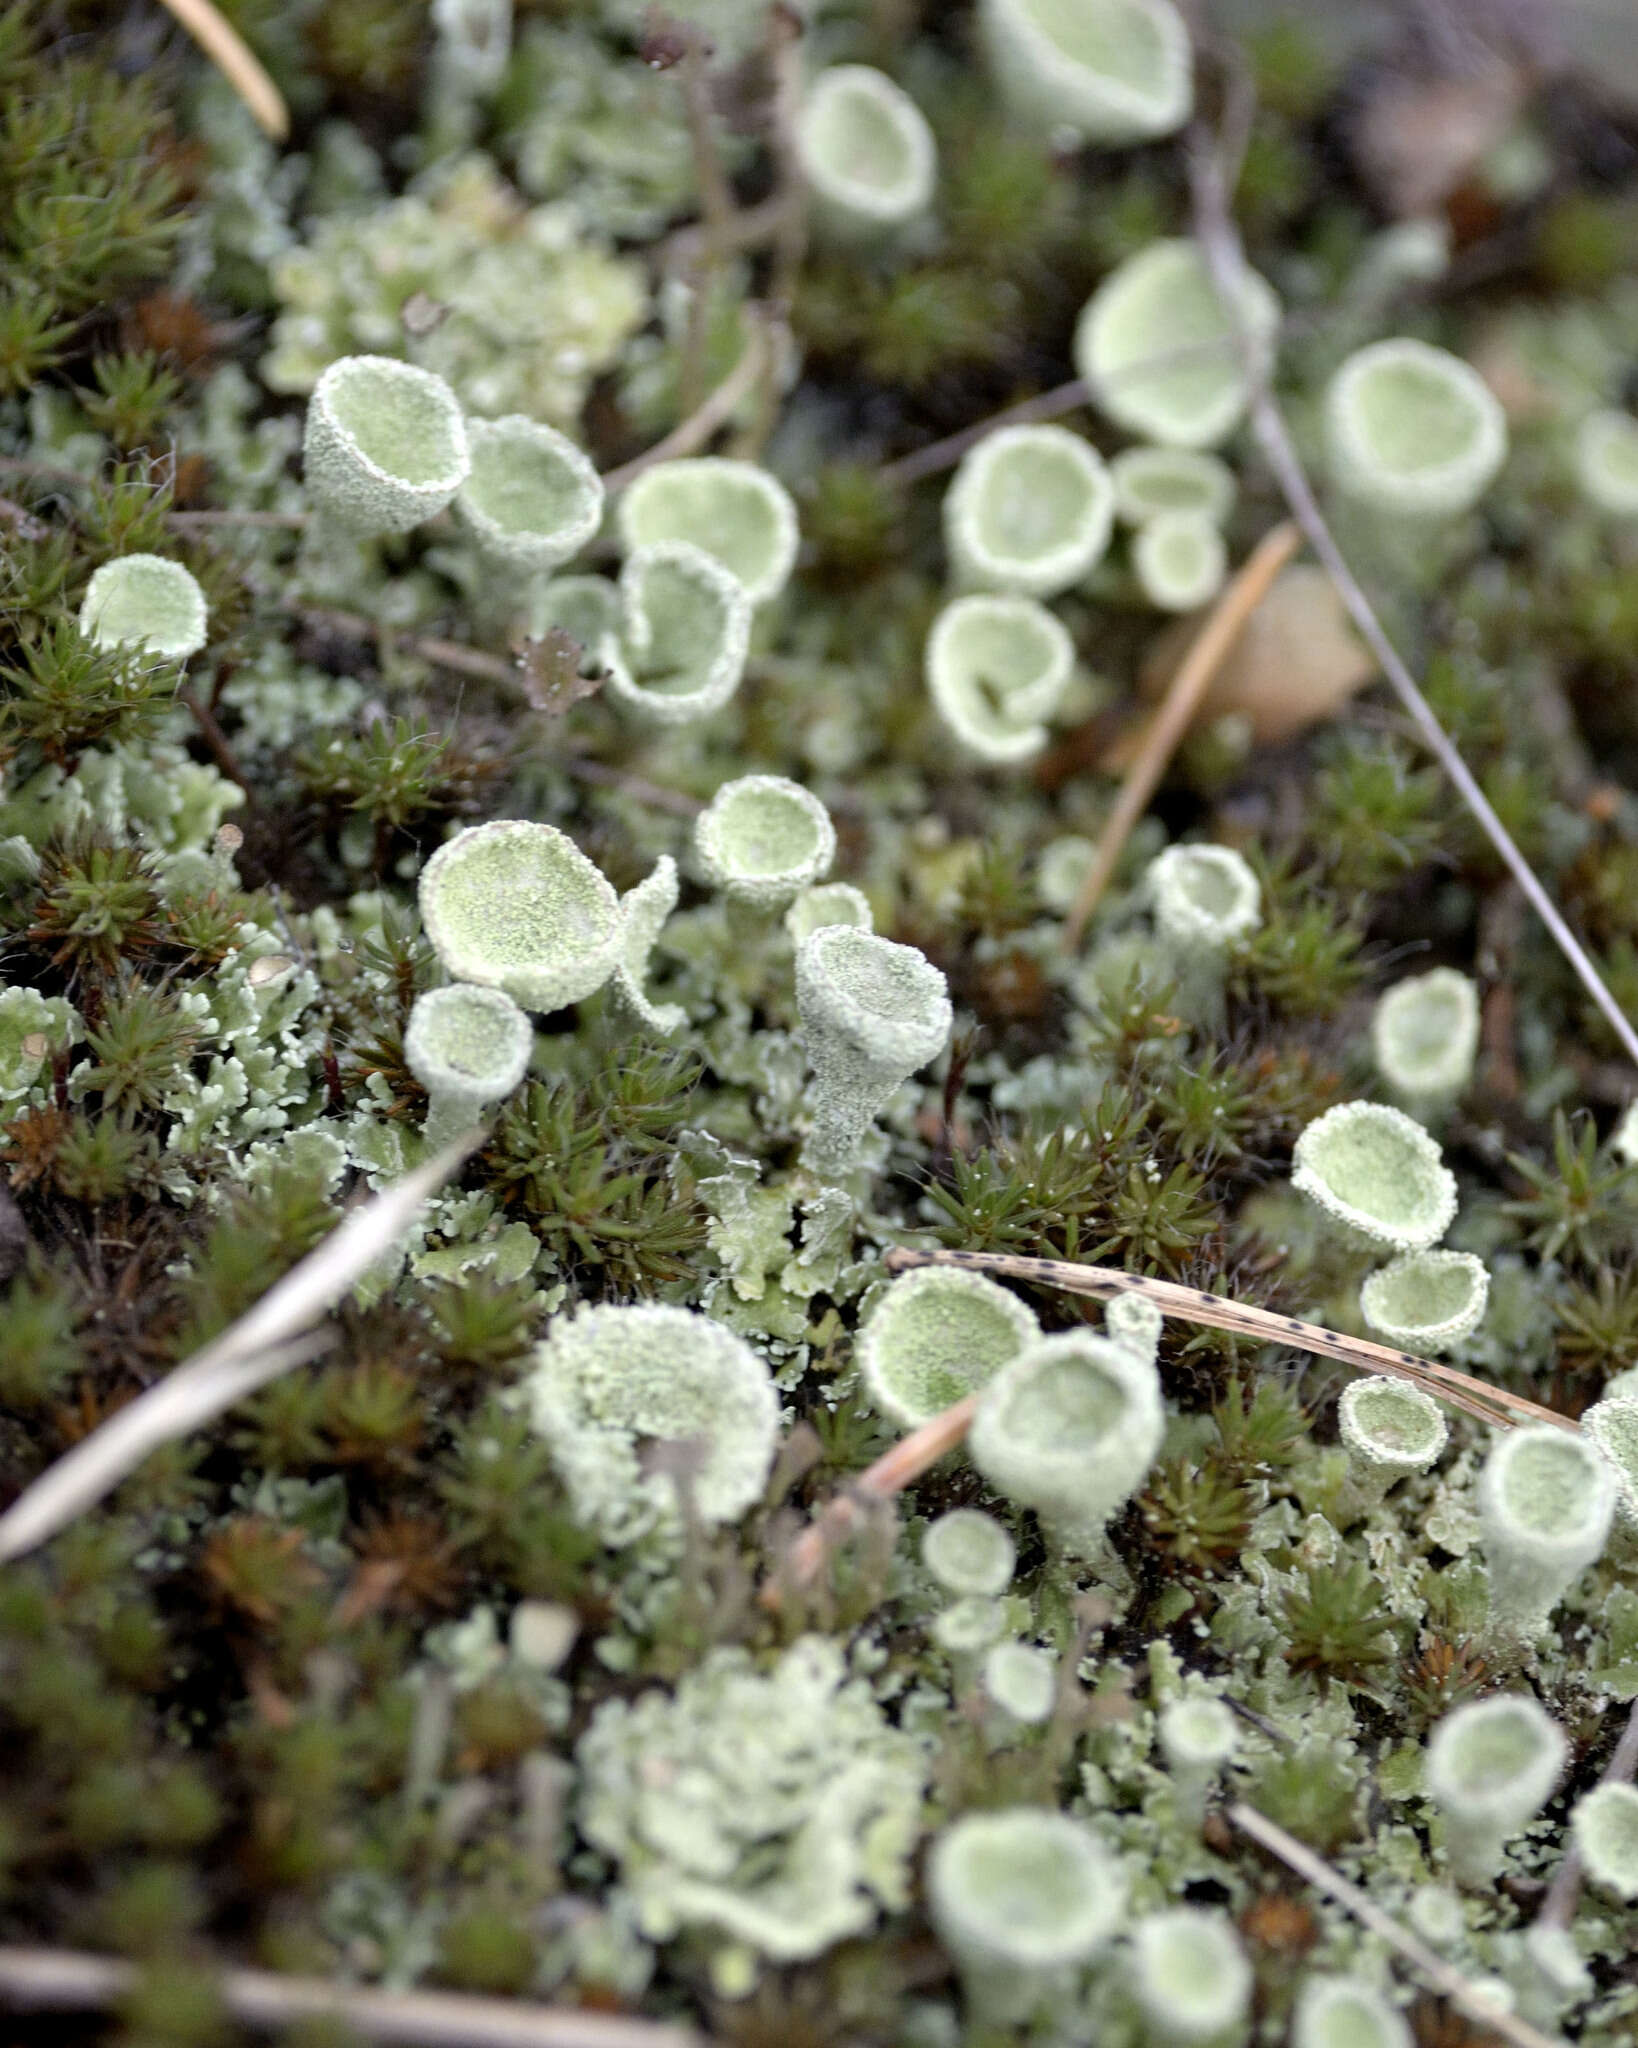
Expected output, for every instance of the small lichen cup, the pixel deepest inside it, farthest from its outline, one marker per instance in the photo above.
(1030, 510)
(1206, 900)
(1391, 1430)
(469, 1048)
(868, 156)
(969, 1553)
(385, 444)
(1412, 431)
(872, 1013)
(762, 840)
(1606, 462)
(935, 1336)
(1190, 1976)
(1180, 560)
(1376, 1174)
(685, 630)
(516, 905)
(1198, 1739)
(1546, 1500)
(1612, 1424)
(643, 912)
(827, 903)
(1491, 1766)
(1425, 1038)
(145, 601)
(1158, 352)
(1098, 71)
(1346, 2012)
(1022, 1898)
(1152, 480)
(531, 499)
(996, 666)
(1604, 1825)
(1426, 1301)
(1069, 1428)
(739, 514)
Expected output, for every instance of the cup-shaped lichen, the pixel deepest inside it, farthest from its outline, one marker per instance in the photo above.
(936, 1336)
(532, 498)
(1346, 2012)
(736, 512)
(643, 911)
(995, 667)
(762, 839)
(1180, 559)
(1159, 352)
(1425, 1035)
(587, 608)
(1069, 1428)
(608, 1380)
(1021, 1898)
(685, 628)
(385, 444)
(1021, 1681)
(1412, 430)
(1427, 1300)
(1546, 1499)
(968, 1552)
(867, 153)
(828, 903)
(872, 1013)
(1198, 1739)
(1491, 1767)
(516, 905)
(1606, 462)
(1030, 510)
(1377, 1174)
(1391, 1429)
(1149, 481)
(1604, 1823)
(1204, 897)
(1101, 71)
(145, 601)
(468, 1047)
(1131, 1320)
(1612, 1424)
(1190, 1975)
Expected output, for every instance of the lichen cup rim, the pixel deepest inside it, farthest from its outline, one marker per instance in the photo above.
(1419, 1163)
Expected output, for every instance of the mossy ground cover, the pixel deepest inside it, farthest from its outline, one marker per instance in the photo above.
(342, 1685)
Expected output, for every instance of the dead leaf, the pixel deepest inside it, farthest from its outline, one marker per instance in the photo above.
(553, 677)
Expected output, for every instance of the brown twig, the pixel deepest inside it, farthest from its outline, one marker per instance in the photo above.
(1493, 1405)
(1558, 1908)
(717, 209)
(64, 1980)
(1445, 1978)
(1225, 257)
(237, 62)
(1211, 647)
(719, 407)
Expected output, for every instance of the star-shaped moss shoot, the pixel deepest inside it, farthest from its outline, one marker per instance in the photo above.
(1105, 71)
(935, 1336)
(996, 667)
(739, 514)
(145, 601)
(1159, 352)
(1030, 510)
(1412, 431)
(685, 629)
(1376, 1174)
(868, 156)
(1491, 1767)
(385, 444)
(517, 906)
(609, 1381)
(1546, 1501)
(1069, 1427)
(872, 1013)
(532, 498)
(1022, 1898)
(469, 1048)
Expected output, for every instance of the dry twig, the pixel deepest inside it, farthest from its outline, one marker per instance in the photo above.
(1217, 636)
(719, 407)
(1445, 1978)
(1215, 230)
(62, 1980)
(237, 62)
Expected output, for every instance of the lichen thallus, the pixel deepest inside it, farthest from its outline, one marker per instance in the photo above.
(923, 1447)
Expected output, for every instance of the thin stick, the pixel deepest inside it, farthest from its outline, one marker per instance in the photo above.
(719, 407)
(63, 1980)
(226, 515)
(1558, 1908)
(238, 64)
(945, 454)
(1475, 1397)
(1445, 1978)
(267, 1340)
(1205, 657)
(1225, 257)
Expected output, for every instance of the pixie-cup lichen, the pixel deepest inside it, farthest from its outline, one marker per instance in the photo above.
(867, 153)
(385, 444)
(1030, 510)
(1104, 71)
(469, 1048)
(996, 666)
(1491, 1767)
(935, 1336)
(146, 601)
